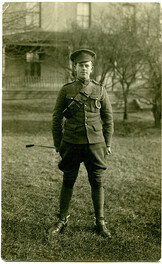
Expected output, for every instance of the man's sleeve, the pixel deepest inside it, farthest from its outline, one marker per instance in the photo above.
(57, 120)
(107, 118)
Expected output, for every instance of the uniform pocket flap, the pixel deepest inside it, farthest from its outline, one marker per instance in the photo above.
(97, 127)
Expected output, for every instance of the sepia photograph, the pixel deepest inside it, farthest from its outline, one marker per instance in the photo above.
(81, 131)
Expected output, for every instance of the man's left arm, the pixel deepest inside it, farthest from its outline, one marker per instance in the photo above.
(107, 119)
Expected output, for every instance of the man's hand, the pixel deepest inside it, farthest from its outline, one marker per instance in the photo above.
(108, 150)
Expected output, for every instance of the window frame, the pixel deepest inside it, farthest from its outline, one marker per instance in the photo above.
(83, 19)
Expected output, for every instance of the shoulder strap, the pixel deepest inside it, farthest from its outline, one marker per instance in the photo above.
(78, 101)
(69, 83)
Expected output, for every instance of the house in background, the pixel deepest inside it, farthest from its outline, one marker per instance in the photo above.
(34, 31)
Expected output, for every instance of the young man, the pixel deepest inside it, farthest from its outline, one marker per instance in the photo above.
(84, 136)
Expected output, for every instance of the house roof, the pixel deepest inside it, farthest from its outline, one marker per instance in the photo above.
(36, 38)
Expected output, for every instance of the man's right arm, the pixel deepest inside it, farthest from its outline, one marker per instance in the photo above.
(57, 120)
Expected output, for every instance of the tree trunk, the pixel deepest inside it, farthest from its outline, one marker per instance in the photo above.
(125, 115)
(102, 77)
(156, 109)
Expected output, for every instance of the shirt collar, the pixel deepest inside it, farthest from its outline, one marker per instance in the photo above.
(85, 82)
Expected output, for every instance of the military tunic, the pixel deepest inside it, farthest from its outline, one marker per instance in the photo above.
(91, 124)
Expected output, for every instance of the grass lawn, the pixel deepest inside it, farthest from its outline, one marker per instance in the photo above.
(31, 185)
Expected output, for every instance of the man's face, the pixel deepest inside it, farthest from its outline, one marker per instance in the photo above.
(83, 69)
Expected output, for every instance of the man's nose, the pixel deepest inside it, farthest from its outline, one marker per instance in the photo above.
(83, 67)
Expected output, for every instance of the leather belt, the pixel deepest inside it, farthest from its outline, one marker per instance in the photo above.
(78, 101)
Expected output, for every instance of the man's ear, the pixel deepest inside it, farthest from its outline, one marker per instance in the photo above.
(92, 68)
(74, 67)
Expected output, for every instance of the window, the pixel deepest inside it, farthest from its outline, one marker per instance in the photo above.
(33, 67)
(33, 14)
(129, 16)
(83, 15)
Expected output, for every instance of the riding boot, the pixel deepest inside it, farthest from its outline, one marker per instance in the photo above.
(65, 197)
(98, 203)
(57, 228)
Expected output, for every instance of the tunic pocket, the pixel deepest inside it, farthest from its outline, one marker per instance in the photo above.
(97, 127)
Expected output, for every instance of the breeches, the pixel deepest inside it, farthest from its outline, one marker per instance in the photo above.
(93, 156)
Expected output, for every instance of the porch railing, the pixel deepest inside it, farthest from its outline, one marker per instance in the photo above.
(32, 83)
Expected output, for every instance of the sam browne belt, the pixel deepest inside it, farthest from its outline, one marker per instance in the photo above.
(78, 101)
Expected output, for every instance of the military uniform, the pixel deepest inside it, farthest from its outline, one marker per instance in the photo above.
(91, 124)
(83, 137)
